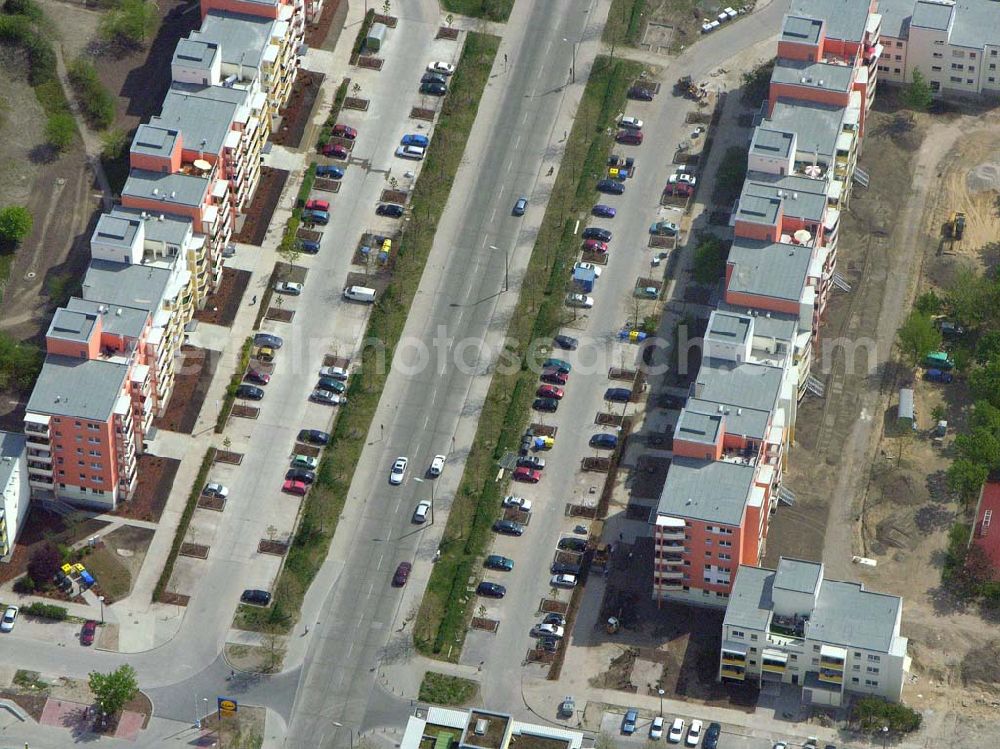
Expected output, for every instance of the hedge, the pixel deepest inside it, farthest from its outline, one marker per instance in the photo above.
(185, 521)
(234, 383)
(95, 100)
(45, 611)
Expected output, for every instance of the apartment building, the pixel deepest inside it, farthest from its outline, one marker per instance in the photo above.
(831, 638)
(15, 494)
(293, 12)
(729, 448)
(956, 46)
(482, 729)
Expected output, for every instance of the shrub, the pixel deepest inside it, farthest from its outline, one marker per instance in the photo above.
(15, 223)
(45, 611)
(872, 713)
(44, 564)
(60, 130)
(709, 259)
(24, 585)
(131, 22)
(113, 144)
(95, 100)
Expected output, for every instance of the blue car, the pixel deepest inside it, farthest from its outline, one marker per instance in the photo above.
(610, 187)
(628, 724)
(604, 441)
(415, 139)
(520, 206)
(329, 171)
(308, 246)
(315, 217)
(604, 211)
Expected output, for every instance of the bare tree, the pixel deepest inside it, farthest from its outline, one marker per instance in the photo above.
(274, 652)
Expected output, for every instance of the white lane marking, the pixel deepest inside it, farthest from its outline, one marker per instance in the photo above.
(525, 118)
(517, 140)
(500, 194)
(380, 560)
(350, 649)
(509, 165)
(494, 214)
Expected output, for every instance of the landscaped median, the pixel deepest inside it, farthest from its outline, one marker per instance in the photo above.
(234, 383)
(446, 607)
(324, 503)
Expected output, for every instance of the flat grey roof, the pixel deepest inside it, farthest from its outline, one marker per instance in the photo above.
(138, 286)
(698, 426)
(778, 271)
(798, 576)
(742, 384)
(929, 15)
(750, 601)
(11, 450)
(742, 420)
(800, 29)
(195, 53)
(825, 76)
(202, 118)
(845, 19)
(67, 325)
(777, 325)
(727, 327)
(154, 140)
(802, 197)
(816, 125)
(773, 143)
(168, 189)
(117, 319)
(845, 614)
(712, 491)
(241, 38)
(976, 24)
(172, 229)
(895, 17)
(116, 230)
(757, 209)
(80, 388)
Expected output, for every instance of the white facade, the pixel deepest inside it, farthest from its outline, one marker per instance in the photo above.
(15, 494)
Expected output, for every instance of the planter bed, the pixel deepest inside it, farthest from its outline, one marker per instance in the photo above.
(198, 551)
(230, 458)
(279, 315)
(245, 412)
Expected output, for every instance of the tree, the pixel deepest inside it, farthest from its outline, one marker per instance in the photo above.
(60, 130)
(984, 382)
(386, 7)
(15, 223)
(972, 297)
(114, 690)
(44, 564)
(965, 478)
(709, 259)
(988, 347)
(20, 364)
(981, 447)
(917, 337)
(131, 23)
(274, 651)
(918, 94)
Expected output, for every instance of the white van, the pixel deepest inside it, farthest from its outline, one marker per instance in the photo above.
(360, 294)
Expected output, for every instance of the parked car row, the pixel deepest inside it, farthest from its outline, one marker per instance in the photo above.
(678, 732)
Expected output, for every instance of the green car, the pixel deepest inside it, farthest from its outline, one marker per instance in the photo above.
(329, 383)
(497, 562)
(304, 461)
(939, 360)
(557, 364)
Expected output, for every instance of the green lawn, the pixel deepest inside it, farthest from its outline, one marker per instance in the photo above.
(324, 504)
(626, 20)
(491, 10)
(442, 689)
(445, 609)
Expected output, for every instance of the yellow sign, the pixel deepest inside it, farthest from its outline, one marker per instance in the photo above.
(227, 706)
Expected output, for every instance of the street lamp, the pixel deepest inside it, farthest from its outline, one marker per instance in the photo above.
(885, 735)
(420, 481)
(572, 70)
(101, 599)
(661, 693)
(341, 725)
(506, 265)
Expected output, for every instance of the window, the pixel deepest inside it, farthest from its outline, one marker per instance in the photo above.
(77, 424)
(936, 68)
(83, 477)
(872, 670)
(80, 463)
(898, 58)
(939, 42)
(723, 555)
(938, 55)
(993, 66)
(935, 86)
(753, 638)
(737, 633)
(793, 657)
(79, 451)
(970, 81)
(896, 71)
(815, 648)
(96, 479)
(871, 683)
(726, 544)
(753, 650)
(855, 680)
(993, 53)
(992, 79)
(815, 661)
(957, 66)
(708, 553)
(955, 79)
(972, 55)
(855, 667)
(93, 427)
(972, 68)
(899, 44)
(957, 53)
(94, 440)
(95, 453)
(96, 466)
(874, 658)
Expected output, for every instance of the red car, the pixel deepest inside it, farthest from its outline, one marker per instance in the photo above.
(683, 189)
(527, 475)
(253, 375)
(595, 245)
(554, 377)
(631, 137)
(345, 131)
(88, 632)
(318, 205)
(291, 486)
(549, 391)
(402, 574)
(334, 150)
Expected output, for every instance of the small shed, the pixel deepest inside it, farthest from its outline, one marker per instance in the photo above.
(376, 37)
(584, 278)
(906, 417)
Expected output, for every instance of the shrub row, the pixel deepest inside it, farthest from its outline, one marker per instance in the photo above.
(95, 100)
(338, 101)
(182, 525)
(45, 611)
(234, 383)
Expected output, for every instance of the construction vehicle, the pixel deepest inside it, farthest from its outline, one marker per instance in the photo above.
(955, 228)
(685, 87)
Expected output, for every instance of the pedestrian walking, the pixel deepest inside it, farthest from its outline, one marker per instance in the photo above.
(253, 301)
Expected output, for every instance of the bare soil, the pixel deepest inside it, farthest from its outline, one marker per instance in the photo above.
(224, 303)
(257, 217)
(156, 476)
(194, 375)
(297, 111)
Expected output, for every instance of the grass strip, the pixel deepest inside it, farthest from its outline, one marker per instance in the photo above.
(444, 612)
(625, 22)
(234, 382)
(326, 132)
(489, 10)
(359, 40)
(185, 521)
(324, 504)
(442, 689)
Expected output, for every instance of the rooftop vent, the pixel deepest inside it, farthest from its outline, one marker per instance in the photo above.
(482, 725)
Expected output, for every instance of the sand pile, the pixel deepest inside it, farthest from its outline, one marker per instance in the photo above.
(983, 177)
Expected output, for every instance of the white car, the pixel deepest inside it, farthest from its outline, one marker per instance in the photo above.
(780, 745)
(676, 731)
(7, 623)
(563, 581)
(410, 152)
(213, 489)
(327, 397)
(682, 177)
(589, 266)
(630, 123)
(288, 287)
(694, 733)
(444, 68)
(398, 471)
(656, 728)
(420, 514)
(579, 300)
(437, 465)
(513, 501)
(337, 373)
(548, 630)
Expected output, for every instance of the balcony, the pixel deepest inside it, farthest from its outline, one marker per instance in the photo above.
(32, 427)
(39, 469)
(39, 456)
(831, 677)
(732, 672)
(37, 439)
(40, 482)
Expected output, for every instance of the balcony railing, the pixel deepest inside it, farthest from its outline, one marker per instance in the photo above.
(730, 672)
(831, 677)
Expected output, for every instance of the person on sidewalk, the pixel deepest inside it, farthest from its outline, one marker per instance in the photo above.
(253, 301)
